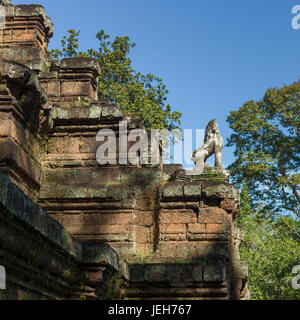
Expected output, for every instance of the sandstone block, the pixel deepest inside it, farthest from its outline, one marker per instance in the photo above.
(172, 228)
(214, 273)
(229, 205)
(173, 190)
(198, 273)
(142, 234)
(144, 218)
(52, 88)
(196, 228)
(212, 215)
(215, 228)
(74, 88)
(219, 190)
(111, 112)
(192, 190)
(80, 64)
(172, 232)
(182, 216)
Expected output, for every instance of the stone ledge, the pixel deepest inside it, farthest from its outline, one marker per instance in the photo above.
(111, 112)
(84, 113)
(173, 190)
(100, 253)
(15, 156)
(187, 273)
(19, 205)
(208, 174)
(219, 190)
(77, 113)
(192, 190)
(82, 64)
(199, 190)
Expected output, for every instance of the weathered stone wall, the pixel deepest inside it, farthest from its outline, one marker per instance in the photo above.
(196, 224)
(23, 52)
(141, 231)
(39, 256)
(26, 36)
(42, 260)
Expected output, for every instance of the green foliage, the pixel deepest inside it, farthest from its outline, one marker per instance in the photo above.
(111, 288)
(69, 46)
(245, 206)
(271, 249)
(66, 273)
(142, 95)
(267, 149)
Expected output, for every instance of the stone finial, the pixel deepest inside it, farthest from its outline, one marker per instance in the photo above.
(82, 64)
(5, 3)
(213, 144)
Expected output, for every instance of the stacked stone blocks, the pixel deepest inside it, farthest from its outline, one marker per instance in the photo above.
(164, 233)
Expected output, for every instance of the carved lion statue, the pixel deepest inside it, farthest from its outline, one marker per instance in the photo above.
(213, 144)
(5, 2)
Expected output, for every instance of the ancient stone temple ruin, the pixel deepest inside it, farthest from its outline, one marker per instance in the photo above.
(71, 228)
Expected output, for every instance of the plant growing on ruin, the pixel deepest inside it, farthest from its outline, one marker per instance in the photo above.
(111, 288)
(142, 95)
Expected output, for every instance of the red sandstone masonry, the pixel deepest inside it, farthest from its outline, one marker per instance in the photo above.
(138, 210)
(215, 228)
(177, 216)
(175, 232)
(212, 215)
(197, 228)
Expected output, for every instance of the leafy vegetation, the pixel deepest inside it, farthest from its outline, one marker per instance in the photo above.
(267, 148)
(142, 95)
(111, 288)
(271, 249)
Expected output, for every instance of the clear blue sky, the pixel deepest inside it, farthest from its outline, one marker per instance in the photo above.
(212, 55)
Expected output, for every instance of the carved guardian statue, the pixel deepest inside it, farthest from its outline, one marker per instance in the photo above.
(213, 144)
(5, 2)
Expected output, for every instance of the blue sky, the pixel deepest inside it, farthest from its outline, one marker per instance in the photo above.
(212, 55)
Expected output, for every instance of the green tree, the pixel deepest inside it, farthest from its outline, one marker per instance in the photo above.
(69, 46)
(271, 248)
(245, 205)
(267, 148)
(142, 95)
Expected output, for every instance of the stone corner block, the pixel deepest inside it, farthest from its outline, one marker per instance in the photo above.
(173, 190)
